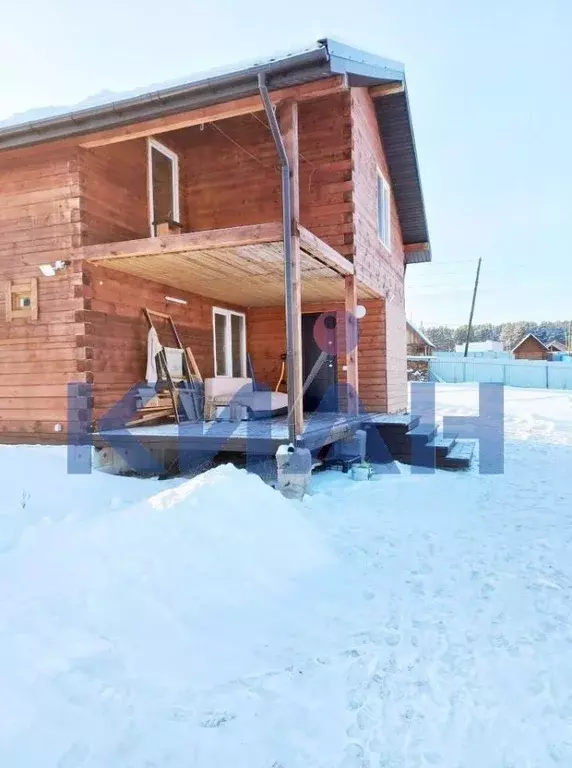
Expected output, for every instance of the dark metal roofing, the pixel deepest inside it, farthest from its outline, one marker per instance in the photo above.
(326, 58)
(395, 126)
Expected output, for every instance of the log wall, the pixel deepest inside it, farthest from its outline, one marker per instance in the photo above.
(39, 223)
(114, 198)
(116, 330)
(379, 267)
(57, 196)
(231, 174)
(267, 341)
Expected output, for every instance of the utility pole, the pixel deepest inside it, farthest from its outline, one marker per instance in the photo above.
(469, 329)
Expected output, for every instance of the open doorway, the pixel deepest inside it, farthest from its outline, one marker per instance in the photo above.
(163, 175)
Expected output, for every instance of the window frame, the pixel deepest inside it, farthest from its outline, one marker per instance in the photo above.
(17, 292)
(228, 313)
(153, 144)
(383, 187)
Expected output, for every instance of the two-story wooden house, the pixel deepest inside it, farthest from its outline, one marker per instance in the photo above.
(175, 200)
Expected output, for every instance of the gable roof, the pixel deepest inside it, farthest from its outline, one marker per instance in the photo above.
(324, 59)
(557, 345)
(420, 334)
(529, 336)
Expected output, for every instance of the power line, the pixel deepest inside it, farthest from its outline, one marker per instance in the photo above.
(239, 146)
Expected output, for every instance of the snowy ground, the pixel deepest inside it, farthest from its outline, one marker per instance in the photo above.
(409, 621)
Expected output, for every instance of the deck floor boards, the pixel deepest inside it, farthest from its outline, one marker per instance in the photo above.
(264, 434)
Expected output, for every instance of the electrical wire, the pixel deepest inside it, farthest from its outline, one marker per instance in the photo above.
(302, 156)
(239, 146)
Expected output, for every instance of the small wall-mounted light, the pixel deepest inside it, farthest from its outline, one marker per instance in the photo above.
(361, 311)
(174, 300)
(50, 270)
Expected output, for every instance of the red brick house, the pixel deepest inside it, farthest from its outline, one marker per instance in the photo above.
(175, 194)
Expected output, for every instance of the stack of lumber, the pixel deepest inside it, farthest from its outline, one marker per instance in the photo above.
(153, 406)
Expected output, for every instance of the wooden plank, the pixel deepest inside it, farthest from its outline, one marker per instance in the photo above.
(386, 89)
(351, 344)
(8, 300)
(192, 363)
(223, 111)
(289, 126)
(319, 249)
(187, 242)
(34, 298)
(414, 247)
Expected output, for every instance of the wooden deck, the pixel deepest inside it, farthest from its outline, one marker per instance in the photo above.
(262, 436)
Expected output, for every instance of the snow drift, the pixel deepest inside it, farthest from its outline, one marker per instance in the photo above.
(104, 614)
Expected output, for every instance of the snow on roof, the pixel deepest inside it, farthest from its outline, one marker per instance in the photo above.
(557, 345)
(107, 97)
(529, 336)
(421, 335)
(490, 345)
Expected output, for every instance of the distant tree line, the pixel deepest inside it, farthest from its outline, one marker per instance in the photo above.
(444, 337)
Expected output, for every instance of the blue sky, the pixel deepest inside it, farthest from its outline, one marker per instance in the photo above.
(490, 90)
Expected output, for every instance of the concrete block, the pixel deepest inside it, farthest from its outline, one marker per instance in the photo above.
(294, 468)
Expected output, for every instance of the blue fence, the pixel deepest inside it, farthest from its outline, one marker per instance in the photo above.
(512, 373)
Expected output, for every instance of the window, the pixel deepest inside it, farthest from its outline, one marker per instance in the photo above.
(163, 175)
(229, 330)
(383, 211)
(22, 300)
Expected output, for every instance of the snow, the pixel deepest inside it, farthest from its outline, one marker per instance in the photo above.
(415, 620)
(107, 97)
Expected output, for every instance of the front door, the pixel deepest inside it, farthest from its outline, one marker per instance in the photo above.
(319, 335)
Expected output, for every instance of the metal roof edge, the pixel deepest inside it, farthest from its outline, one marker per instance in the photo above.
(328, 57)
(414, 147)
(201, 92)
(345, 59)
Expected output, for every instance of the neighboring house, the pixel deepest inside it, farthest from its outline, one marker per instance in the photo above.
(176, 194)
(531, 348)
(417, 342)
(477, 348)
(556, 346)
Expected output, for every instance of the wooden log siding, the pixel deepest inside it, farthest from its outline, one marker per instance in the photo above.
(39, 223)
(531, 349)
(267, 341)
(377, 266)
(116, 330)
(114, 197)
(234, 179)
(229, 180)
(57, 196)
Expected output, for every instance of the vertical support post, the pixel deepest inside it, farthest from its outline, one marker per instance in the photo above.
(351, 344)
(288, 118)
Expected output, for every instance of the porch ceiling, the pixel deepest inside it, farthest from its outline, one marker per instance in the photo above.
(241, 265)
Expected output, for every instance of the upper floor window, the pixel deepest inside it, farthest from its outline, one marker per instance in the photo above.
(163, 185)
(383, 211)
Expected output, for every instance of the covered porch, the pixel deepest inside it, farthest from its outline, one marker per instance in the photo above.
(243, 268)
